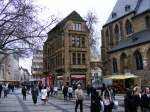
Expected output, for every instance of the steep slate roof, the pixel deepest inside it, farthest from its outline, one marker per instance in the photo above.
(72, 16)
(136, 39)
(143, 6)
(137, 6)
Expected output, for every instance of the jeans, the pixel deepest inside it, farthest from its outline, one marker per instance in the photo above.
(79, 102)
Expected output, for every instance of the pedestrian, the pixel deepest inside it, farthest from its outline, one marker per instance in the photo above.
(137, 99)
(55, 90)
(88, 90)
(1, 88)
(107, 100)
(24, 92)
(128, 101)
(48, 91)
(28, 89)
(65, 92)
(103, 88)
(79, 96)
(35, 93)
(145, 99)
(51, 90)
(70, 91)
(5, 88)
(40, 87)
(95, 101)
(44, 97)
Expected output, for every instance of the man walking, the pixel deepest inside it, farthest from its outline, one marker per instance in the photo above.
(24, 92)
(79, 96)
(146, 100)
(65, 92)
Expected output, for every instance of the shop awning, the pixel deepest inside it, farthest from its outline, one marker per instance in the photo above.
(121, 77)
(79, 77)
(59, 77)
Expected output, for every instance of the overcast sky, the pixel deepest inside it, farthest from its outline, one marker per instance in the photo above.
(61, 8)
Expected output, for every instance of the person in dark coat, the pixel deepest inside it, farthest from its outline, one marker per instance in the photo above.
(88, 90)
(95, 101)
(129, 101)
(24, 92)
(145, 99)
(34, 92)
(1, 88)
(65, 92)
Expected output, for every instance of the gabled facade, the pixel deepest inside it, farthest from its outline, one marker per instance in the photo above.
(126, 40)
(67, 52)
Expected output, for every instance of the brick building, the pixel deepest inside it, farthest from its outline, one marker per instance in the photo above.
(126, 41)
(67, 52)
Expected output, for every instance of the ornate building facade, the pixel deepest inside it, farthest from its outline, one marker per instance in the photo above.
(126, 40)
(67, 51)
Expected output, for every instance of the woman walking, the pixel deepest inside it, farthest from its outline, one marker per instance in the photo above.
(107, 100)
(44, 95)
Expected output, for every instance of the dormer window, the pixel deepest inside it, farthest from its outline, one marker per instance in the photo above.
(114, 14)
(127, 8)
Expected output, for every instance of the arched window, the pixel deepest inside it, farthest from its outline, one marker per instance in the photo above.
(117, 34)
(115, 65)
(148, 59)
(129, 28)
(123, 63)
(107, 37)
(147, 21)
(138, 60)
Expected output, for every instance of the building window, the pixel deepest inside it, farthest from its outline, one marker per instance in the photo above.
(83, 58)
(117, 34)
(77, 26)
(128, 27)
(127, 8)
(83, 42)
(76, 41)
(147, 21)
(74, 58)
(73, 42)
(138, 60)
(114, 14)
(79, 58)
(148, 59)
(115, 66)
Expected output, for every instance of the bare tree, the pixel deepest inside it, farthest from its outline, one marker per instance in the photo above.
(92, 20)
(20, 29)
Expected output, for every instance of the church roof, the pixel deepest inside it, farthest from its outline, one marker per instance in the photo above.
(125, 7)
(134, 40)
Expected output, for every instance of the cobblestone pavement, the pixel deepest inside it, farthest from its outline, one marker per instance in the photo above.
(14, 103)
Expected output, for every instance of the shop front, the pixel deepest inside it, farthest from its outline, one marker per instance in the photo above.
(78, 79)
